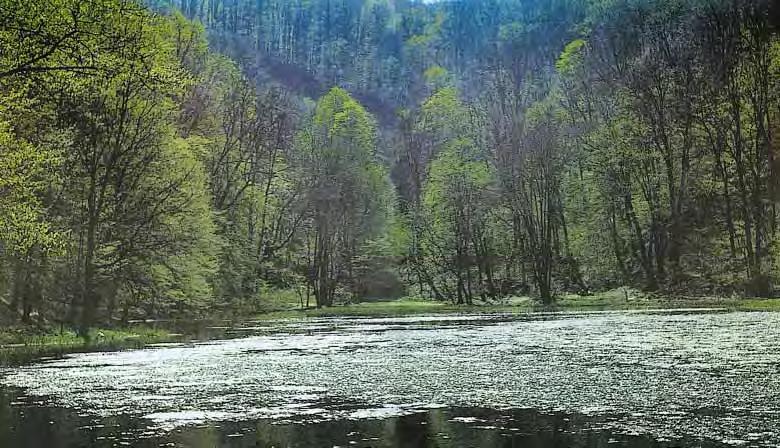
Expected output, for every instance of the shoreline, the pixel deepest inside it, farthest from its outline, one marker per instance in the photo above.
(19, 346)
(570, 303)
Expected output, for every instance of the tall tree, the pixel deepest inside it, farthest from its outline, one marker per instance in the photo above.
(348, 189)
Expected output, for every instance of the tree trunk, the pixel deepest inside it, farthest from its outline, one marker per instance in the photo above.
(89, 300)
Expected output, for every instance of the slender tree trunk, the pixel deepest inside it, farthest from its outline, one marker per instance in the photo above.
(89, 299)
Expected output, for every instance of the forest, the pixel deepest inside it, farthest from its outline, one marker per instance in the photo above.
(180, 158)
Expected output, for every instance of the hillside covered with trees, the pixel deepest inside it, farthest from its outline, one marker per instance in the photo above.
(173, 158)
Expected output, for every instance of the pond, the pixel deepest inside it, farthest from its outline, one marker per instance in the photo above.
(634, 379)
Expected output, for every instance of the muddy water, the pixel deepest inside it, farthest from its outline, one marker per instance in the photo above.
(582, 380)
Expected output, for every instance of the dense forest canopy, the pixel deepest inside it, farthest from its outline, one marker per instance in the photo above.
(173, 158)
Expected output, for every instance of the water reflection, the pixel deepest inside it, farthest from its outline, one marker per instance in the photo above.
(28, 422)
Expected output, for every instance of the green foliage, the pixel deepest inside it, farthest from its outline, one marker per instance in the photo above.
(105, 183)
(348, 193)
(452, 236)
(184, 277)
(436, 76)
(571, 58)
(587, 144)
(61, 36)
(25, 173)
(444, 117)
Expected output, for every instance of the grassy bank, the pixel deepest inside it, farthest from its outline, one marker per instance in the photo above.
(20, 345)
(615, 300)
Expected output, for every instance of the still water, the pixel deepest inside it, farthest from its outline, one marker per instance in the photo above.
(564, 380)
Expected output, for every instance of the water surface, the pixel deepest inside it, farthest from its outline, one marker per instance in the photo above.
(587, 380)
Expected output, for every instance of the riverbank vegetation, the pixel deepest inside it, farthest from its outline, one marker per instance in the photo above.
(195, 158)
(22, 344)
(621, 299)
